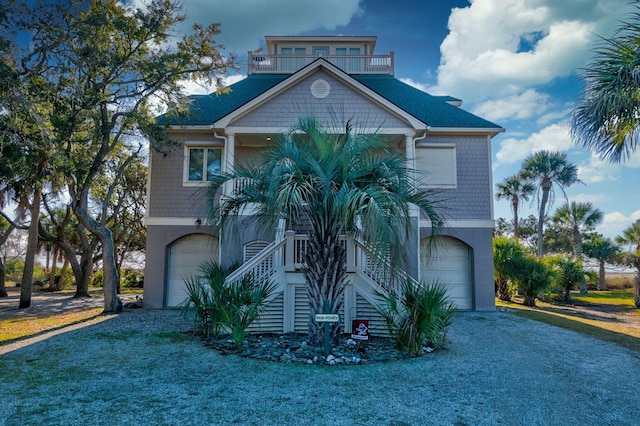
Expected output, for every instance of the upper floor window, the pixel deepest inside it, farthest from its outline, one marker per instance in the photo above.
(203, 164)
(436, 165)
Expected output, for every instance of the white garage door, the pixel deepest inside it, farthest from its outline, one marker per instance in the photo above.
(185, 257)
(449, 263)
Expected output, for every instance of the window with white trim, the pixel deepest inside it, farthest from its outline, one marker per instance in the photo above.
(436, 165)
(202, 164)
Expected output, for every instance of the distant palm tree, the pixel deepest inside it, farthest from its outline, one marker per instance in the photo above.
(548, 168)
(631, 237)
(603, 250)
(339, 183)
(578, 217)
(606, 120)
(515, 189)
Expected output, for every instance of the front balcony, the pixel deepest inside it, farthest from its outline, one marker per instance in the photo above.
(288, 64)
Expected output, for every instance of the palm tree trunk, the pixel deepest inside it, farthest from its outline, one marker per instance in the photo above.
(543, 206)
(26, 287)
(636, 289)
(514, 205)
(576, 242)
(602, 283)
(502, 289)
(325, 274)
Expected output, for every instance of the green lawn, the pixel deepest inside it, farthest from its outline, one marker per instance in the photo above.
(622, 298)
(622, 329)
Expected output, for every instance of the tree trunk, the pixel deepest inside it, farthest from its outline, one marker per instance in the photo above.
(3, 288)
(602, 282)
(502, 289)
(26, 286)
(514, 206)
(325, 274)
(3, 277)
(543, 205)
(112, 302)
(84, 278)
(53, 286)
(636, 289)
(577, 243)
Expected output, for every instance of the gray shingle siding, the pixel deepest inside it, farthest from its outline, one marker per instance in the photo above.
(342, 101)
(168, 196)
(472, 197)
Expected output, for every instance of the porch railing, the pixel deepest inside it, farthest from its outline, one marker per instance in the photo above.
(288, 64)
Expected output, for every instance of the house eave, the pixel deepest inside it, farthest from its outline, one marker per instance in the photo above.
(467, 130)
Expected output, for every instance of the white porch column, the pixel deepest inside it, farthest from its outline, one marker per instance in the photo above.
(229, 160)
(410, 154)
(410, 151)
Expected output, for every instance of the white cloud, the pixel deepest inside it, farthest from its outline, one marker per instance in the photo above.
(201, 88)
(614, 223)
(521, 107)
(596, 170)
(590, 198)
(245, 23)
(551, 138)
(501, 47)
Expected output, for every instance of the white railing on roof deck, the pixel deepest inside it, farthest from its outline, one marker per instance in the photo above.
(288, 64)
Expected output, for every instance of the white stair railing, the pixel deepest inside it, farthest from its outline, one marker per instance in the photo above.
(267, 262)
(378, 269)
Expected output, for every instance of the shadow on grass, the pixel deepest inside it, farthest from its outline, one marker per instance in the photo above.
(61, 321)
(576, 323)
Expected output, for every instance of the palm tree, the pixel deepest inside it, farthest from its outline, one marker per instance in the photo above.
(514, 188)
(506, 252)
(606, 120)
(336, 183)
(548, 168)
(603, 250)
(578, 217)
(631, 237)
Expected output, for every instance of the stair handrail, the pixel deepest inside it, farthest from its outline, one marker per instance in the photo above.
(380, 270)
(263, 265)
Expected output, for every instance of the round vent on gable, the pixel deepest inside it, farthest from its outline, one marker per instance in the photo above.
(320, 89)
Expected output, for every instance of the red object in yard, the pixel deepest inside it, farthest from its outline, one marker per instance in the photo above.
(360, 329)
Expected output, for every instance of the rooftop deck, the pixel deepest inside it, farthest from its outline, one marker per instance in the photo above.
(288, 64)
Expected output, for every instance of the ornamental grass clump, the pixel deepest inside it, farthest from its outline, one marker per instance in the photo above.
(416, 316)
(223, 308)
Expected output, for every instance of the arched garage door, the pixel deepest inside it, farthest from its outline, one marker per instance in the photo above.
(449, 262)
(185, 257)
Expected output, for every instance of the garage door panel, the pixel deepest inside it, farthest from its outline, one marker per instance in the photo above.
(448, 263)
(185, 258)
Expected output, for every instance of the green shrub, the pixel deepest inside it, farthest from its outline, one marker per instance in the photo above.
(131, 278)
(97, 278)
(222, 307)
(505, 252)
(533, 277)
(13, 270)
(416, 315)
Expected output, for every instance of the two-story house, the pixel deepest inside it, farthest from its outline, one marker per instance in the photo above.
(321, 77)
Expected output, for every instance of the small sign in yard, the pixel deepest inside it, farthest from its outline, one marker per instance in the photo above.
(327, 317)
(360, 329)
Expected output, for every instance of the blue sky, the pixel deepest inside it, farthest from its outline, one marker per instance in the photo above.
(514, 62)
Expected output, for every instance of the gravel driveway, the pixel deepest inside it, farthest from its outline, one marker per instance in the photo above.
(137, 368)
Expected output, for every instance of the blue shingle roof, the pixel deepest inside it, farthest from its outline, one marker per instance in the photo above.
(434, 111)
(431, 110)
